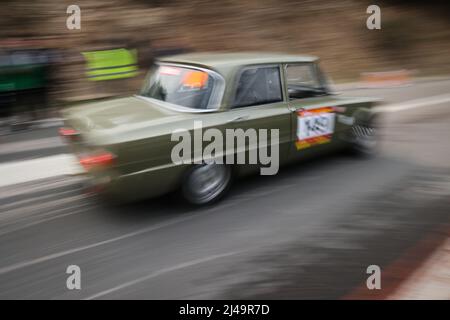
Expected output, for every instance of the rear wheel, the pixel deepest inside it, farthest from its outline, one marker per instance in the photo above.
(206, 183)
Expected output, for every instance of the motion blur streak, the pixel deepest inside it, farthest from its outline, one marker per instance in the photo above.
(416, 103)
(308, 232)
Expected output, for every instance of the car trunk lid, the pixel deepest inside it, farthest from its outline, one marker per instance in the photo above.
(109, 114)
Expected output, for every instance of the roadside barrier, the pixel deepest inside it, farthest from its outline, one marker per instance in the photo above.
(386, 79)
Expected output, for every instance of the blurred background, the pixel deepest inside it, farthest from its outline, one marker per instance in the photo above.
(309, 232)
(42, 60)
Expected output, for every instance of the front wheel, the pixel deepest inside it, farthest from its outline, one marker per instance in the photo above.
(364, 140)
(206, 183)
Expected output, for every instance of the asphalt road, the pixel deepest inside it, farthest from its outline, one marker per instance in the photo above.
(309, 232)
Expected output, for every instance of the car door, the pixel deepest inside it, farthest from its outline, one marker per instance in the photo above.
(313, 116)
(258, 103)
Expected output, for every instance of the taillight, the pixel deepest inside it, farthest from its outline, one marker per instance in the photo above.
(103, 159)
(69, 133)
(65, 132)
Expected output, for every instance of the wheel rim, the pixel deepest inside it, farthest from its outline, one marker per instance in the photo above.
(206, 182)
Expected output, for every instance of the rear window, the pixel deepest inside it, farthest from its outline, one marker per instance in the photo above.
(183, 86)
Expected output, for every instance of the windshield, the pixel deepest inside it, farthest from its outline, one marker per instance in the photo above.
(183, 86)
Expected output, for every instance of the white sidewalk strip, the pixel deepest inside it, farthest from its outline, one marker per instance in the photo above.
(48, 123)
(35, 144)
(41, 168)
(416, 103)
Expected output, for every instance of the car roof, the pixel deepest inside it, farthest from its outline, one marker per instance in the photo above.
(220, 61)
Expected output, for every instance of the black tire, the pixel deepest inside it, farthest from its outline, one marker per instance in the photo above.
(206, 183)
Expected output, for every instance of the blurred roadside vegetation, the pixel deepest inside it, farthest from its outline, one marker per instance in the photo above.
(413, 36)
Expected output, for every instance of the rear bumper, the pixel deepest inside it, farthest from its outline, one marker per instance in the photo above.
(135, 186)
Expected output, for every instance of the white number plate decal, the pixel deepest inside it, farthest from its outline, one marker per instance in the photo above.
(314, 127)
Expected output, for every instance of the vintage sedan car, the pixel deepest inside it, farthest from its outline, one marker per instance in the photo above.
(126, 145)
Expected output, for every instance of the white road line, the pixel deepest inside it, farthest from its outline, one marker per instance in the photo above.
(18, 217)
(21, 227)
(21, 203)
(413, 104)
(28, 263)
(161, 272)
(41, 168)
(42, 206)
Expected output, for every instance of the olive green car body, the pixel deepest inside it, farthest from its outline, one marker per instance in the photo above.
(138, 130)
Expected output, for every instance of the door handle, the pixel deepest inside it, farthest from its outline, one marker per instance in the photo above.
(238, 119)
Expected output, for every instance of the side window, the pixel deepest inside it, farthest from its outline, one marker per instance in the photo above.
(303, 81)
(258, 85)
